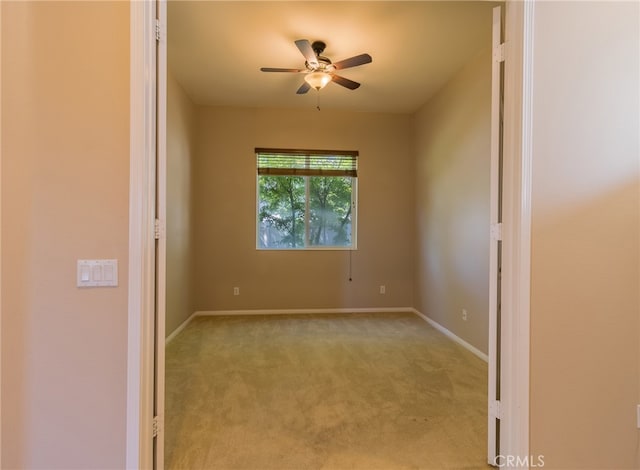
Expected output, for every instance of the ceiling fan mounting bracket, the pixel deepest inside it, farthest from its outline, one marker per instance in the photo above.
(323, 63)
(318, 47)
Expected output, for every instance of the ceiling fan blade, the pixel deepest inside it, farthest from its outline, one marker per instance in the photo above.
(275, 69)
(353, 61)
(305, 87)
(345, 82)
(307, 51)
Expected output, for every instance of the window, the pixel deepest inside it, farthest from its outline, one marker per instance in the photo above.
(306, 199)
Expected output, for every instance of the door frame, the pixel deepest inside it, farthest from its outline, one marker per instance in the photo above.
(514, 438)
(495, 192)
(160, 233)
(142, 200)
(1, 3)
(516, 228)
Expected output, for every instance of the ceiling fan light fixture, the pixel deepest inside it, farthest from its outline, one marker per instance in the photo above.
(317, 80)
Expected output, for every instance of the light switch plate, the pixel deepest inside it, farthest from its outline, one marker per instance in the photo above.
(97, 273)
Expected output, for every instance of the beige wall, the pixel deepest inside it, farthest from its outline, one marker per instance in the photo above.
(225, 181)
(453, 151)
(65, 160)
(181, 125)
(585, 235)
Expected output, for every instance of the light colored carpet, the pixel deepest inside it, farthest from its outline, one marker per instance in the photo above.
(354, 391)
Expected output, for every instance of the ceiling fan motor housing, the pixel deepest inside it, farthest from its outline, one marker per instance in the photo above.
(323, 62)
(318, 47)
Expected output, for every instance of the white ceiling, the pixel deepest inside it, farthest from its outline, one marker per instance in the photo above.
(216, 49)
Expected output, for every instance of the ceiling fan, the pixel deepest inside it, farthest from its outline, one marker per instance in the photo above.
(320, 70)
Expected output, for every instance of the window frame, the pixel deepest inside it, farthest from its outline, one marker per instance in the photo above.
(354, 200)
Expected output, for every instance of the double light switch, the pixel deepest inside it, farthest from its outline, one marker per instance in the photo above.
(97, 272)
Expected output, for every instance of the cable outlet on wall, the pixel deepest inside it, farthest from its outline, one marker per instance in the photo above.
(236, 291)
(464, 314)
(383, 289)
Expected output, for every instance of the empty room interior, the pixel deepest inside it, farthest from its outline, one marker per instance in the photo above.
(284, 351)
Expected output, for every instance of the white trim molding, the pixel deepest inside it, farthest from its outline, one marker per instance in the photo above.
(452, 336)
(0, 235)
(304, 311)
(140, 354)
(332, 311)
(516, 276)
(178, 330)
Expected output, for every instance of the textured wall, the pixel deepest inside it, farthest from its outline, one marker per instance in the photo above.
(453, 151)
(226, 254)
(181, 141)
(585, 234)
(65, 167)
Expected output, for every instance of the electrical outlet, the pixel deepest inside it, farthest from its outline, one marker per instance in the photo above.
(383, 289)
(464, 314)
(236, 291)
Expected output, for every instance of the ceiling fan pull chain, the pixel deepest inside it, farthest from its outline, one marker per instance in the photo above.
(318, 100)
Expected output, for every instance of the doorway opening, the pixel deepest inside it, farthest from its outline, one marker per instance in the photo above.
(141, 431)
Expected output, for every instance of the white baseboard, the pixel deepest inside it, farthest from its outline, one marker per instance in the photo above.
(304, 311)
(452, 336)
(310, 311)
(177, 331)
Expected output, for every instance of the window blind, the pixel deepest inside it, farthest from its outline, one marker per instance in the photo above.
(307, 162)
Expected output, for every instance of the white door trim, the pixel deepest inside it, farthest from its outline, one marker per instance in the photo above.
(139, 440)
(0, 235)
(494, 243)
(161, 247)
(516, 277)
(516, 233)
